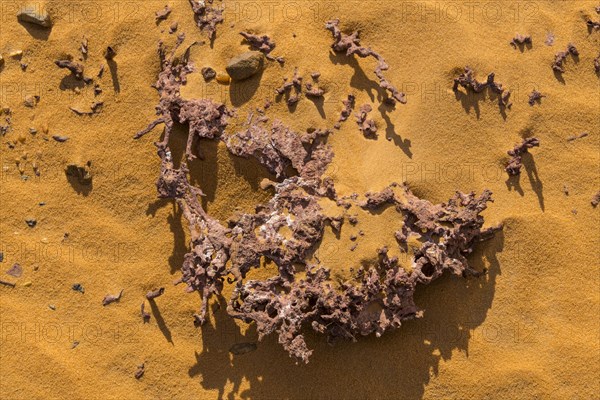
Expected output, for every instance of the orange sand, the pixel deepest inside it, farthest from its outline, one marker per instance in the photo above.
(528, 330)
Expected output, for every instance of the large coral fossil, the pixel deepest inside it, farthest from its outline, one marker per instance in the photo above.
(287, 228)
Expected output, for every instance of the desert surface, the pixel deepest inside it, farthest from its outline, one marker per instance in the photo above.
(527, 328)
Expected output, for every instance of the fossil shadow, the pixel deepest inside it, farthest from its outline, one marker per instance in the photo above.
(405, 359)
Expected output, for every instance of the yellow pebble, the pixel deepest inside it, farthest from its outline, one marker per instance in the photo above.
(27, 284)
(17, 54)
(223, 78)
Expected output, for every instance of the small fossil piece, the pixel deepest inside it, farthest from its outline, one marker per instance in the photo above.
(365, 125)
(348, 107)
(6, 283)
(596, 199)
(242, 348)
(597, 64)
(140, 371)
(549, 39)
(31, 101)
(313, 91)
(16, 270)
(520, 40)
(78, 288)
(163, 14)
(561, 56)
(592, 24)
(31, 222)
(95, 107)
(145, 314)
(350, 44)
(75, 68)
(173, 27)
(534, 97)
(515, 163)
(262, 43)
(109, 298)
(151, 295)
(60, 139)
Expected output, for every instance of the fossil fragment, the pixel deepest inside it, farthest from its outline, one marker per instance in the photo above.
(75, 68)
(140, 371)
(596, 199)
(514, 164)
(346, 111)
(520, 40)
(313, 91)
(535, 96)
(6, 283)
(94, 108)
(109, 298)
(145, 314)
(561, 56)
(575, 137)
(163, 14)
(59, 138)
(597, 64)
(288, 227)
(207, 16)
(366, 125)
(262, 43)
(350, 44)
(208, 73)
(78, 288)
(16, 270)
(84, 47)
(151, 295)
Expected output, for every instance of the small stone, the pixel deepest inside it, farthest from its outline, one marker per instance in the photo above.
(60, 139)
(16, 54)
(31, 222)
(16, 270)
(1, 60)
(245, 65)
(33, 131)
(27, 284)
(52, 307)
(223, 78)
(173, 27)
(31, 14)
(31, 101)
(1, 256)
(208, 73)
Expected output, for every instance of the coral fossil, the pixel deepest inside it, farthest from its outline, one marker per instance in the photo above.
(301, 295)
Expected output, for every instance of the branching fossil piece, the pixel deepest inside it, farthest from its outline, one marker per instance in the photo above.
(514, 164)
(348, 107)
(520, 40)
(262, 43)
(534, 96)
(366, 125)
(561, 56)
(350, 44)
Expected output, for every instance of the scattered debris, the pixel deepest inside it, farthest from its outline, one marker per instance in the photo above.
(520, 40)
(514, 164)
(141, 368)
(561, 56)
(350, 44)
(151, 295)
(109, 298)
(163, 14)
(78, 288)
(365, 125)
(35, 14)
(242, 348)
(534, 97)
(31, 222)
(245, 65)
(16, 270)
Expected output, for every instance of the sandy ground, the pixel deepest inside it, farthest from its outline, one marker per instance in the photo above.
(529, 329)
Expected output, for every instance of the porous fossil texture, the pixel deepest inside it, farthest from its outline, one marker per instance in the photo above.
(515, 163)
(350, 44)
(286, 229)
